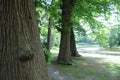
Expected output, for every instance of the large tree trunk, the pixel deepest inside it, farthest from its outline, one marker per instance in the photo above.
(49, 35)
(21, 55)
(64, 52)
(73, 48)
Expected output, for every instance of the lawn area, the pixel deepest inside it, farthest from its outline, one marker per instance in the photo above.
(92, 68)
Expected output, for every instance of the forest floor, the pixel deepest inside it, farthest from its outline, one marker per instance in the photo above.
(95, 64)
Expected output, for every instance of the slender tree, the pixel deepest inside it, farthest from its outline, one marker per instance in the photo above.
(118, 39)
(21, 55)
(49, 34)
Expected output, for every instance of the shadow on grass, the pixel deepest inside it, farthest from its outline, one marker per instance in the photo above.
(89, 67)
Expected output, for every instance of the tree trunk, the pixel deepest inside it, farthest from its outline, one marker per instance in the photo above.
(118, 39)
(49, 35)
(64, 52)
(73, 48)
(21, 55)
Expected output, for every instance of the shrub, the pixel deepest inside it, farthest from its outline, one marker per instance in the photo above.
(47, 56)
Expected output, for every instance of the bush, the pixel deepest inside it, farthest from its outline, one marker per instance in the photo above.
(47, 56)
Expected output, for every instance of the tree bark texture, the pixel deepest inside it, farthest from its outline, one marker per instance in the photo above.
(21, 55)
(64, 52)
(73, 48)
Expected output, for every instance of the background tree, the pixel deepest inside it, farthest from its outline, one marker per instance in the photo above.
(65, 52)
(73, 48)
(71, 10)
(48, 19)
(114, 36)
(49, 35)
(79, 31)
(21, 55)
(82, 10)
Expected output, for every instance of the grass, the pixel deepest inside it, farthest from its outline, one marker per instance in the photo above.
(53, 79)
(81, 69)
(89, 66)
(115, 68)
(86, 67)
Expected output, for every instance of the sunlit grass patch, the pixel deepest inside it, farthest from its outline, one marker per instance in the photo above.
(112, 64)
(115, 68)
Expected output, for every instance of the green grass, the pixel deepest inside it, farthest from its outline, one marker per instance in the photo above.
(115, 68)
(52, 79)
(87, 66)
(81, 68)
(92, 72)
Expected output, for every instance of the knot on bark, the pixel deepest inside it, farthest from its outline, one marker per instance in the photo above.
(25, 55)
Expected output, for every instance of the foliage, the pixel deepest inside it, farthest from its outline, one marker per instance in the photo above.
(47, 56)
(85, 14)
(78, 28)
(55, 39)
(114, 36)
(88, 11)
(44, 10)
(89, 8)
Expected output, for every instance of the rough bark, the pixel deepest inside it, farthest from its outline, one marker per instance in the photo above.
(73, 48)
(64, 52)
(21, 55)
(49, 35)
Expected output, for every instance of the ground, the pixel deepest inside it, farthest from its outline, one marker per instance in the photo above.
(95, 64)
